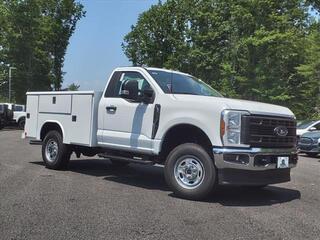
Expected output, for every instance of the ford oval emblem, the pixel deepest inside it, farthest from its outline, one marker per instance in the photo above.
(281, 131)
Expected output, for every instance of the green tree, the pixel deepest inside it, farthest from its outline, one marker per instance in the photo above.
(36, 37)
(73, 87)
(3, 50)
(310, 72)
(65, 15)
(315, 4)
(246, 49)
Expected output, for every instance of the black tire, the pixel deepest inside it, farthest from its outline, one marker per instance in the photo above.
(1, 125)
(312, 154)
(21, 123)
(118, 163)
(199, 158)
(59, 158)
(256, 187)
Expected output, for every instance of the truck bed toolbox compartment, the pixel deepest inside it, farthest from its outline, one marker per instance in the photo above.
(75, 113)
(55, 104)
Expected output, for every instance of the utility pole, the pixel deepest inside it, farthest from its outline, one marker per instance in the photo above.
(10, 76)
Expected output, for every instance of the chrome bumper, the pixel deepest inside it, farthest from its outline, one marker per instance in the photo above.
(251, 153)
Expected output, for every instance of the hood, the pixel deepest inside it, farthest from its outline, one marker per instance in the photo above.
(314, 134)
(258, 107)
(238, 104)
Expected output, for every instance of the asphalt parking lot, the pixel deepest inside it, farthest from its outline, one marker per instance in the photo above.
(94, 200)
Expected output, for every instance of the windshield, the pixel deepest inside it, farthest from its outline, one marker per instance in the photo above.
(176, 83)
(305, 124)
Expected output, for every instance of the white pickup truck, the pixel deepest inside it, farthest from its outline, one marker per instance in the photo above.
(150, 115)
(19, 114)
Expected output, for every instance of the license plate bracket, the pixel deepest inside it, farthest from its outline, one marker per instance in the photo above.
(283, 162)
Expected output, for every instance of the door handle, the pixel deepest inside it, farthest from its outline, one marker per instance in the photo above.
(111, 108)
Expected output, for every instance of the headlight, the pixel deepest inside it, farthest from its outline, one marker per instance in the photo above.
(230, 127)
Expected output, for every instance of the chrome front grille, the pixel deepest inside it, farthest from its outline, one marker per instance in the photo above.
(260, 131)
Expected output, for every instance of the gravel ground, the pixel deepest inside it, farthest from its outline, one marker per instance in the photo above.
(94, 200)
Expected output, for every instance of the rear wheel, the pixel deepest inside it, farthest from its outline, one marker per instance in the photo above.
(55, 153)
(21, 123)
(190, 172)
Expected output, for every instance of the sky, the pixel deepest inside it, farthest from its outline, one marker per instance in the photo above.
(95, 47)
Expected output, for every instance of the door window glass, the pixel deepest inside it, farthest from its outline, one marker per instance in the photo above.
(130, 76)
(117, 80)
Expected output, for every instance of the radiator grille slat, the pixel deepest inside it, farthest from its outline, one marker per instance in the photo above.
(259, 131)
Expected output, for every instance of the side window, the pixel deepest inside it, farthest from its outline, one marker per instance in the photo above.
(110, 92)
(18, 108)
(129, 76)
(115, 85)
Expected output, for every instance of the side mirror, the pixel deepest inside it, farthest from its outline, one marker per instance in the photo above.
(147, 95)
(129, 90)
(312, 129)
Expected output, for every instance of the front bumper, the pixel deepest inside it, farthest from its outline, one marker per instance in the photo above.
(253, 166)
(314, 148)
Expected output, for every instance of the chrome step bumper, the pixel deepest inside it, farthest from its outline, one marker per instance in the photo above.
(254, 159)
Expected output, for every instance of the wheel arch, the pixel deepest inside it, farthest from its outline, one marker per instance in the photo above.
(184, 133)
(49, 126)
(21, 118)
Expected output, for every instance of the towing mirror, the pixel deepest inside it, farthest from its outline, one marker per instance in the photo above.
(148, 95)
(130, 90)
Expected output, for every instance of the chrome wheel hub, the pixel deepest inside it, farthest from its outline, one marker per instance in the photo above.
(189, 172)
(52, 150)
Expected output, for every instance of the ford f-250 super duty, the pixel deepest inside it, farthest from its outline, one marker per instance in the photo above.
(150, 115)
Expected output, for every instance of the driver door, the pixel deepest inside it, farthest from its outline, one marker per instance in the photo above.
(126, 124)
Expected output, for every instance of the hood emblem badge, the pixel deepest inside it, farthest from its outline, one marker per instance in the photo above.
(281, 131)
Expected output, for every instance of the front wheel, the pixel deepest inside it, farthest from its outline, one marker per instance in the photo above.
(55, 153)
(190, 172)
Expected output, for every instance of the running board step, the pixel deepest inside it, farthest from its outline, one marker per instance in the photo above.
(125, 159)
(35, 142)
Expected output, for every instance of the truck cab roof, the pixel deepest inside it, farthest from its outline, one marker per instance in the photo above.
(150, 69)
